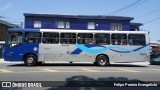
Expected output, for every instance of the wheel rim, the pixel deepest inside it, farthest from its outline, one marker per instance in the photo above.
(30, 60)
(102, 61)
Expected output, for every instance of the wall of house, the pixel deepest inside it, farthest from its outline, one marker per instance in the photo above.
(80, 24)
(3, 31)
(134, 28)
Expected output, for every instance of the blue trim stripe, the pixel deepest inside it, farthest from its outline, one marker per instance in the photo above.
(87, 48)
(130, 50)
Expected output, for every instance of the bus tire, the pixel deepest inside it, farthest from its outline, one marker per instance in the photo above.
(102, 60)
(30, 60)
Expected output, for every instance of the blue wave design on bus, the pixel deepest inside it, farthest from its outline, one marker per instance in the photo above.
(87, 48)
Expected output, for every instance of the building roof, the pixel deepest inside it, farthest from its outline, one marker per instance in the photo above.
(79, 16)
(8, 24)
(136, 24)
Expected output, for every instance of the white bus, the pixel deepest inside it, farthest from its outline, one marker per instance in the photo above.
(97, 46)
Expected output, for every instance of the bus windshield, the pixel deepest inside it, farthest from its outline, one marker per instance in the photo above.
(14, 39)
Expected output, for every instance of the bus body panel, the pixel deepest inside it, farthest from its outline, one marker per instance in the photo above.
(52, 52)
(60, 52)
(17, 53)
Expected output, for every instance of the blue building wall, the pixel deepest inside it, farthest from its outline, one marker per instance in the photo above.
(76, 23)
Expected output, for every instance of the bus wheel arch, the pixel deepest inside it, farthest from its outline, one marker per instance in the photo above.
(30, 59)
(102, 60)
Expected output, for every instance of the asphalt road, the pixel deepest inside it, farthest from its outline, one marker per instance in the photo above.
(79, 72)
(63, 72)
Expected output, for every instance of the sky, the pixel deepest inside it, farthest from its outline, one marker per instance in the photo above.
(143, 11)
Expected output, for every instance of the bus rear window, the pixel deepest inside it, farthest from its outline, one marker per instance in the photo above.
(136, 39)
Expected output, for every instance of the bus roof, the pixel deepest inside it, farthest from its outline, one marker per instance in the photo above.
(75, 31)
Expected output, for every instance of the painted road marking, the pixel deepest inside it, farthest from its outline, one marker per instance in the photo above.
(128, 70)
(75, 70)
(89, 70)
(5, 70)
(156, 69)
(50, 70)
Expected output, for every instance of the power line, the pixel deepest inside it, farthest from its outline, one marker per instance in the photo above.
(152, 20)
(149, 13)
(14, 21)
(135, 6)
(126, 7)
(8, 18)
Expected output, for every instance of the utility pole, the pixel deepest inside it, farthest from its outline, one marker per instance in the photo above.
(22, 26)
(158, 41)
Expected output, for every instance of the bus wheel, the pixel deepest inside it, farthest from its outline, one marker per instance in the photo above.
(102, 60)
(30, 60)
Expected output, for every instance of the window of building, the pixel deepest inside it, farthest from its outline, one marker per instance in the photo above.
(33, 37)
(91, 25)
(101, 38)
(85, 38)
(116, 26)
(37, 24)
(136, 39)
(63, 24)
(68, 38)
(50, 38)
(119, 39)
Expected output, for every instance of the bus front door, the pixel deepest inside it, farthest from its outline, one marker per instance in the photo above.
(14, 54)
(14, 47)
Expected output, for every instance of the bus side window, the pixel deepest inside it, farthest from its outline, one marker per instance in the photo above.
(33, 37)
(30, 40)
(50, 38)
(102, 38)
(130, 41)
(136, 39)
(68, 38)
(85, 38)
(119, 39)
